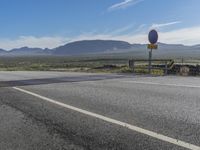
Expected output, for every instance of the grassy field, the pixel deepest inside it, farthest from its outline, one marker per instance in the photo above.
(48, 63)
(77, 64)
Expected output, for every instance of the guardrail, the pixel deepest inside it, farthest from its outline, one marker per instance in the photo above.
(167, 65)
(164, 64)
(185, 69)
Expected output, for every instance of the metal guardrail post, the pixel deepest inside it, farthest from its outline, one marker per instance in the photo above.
(198, 69)
(166, 68)
(133, 66)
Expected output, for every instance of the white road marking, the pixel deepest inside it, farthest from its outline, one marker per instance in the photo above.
(116, 122)
(154, 83)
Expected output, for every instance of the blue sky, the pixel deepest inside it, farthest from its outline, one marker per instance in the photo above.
(50, 23)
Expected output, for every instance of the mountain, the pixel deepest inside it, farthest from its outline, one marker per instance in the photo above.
(26, 51)
(109, 48)
(2, 51)
(91, 47)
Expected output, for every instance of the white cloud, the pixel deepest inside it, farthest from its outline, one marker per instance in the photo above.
(124, 4)
(123, 29)
(186, 36)
(31, 41)
(157, 26)
(141, 28)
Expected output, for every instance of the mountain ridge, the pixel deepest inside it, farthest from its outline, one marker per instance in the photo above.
(86, 47)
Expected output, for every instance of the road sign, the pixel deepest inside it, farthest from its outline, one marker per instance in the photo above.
(152, 46)
(153, 36)
(153, 39)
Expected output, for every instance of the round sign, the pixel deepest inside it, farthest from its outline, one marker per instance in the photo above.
(153, 36)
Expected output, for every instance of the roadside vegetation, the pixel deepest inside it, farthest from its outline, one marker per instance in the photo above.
(78, 64)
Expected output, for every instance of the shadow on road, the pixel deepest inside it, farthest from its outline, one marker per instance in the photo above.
(58, 80)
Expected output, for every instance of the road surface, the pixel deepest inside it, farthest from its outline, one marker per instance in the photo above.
(80, 111)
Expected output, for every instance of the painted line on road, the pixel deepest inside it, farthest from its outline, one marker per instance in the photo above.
(154, 83)
(116, 122)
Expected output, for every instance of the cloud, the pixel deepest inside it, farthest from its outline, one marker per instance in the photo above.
(157, 26)
(186, 36)
(124, 4)
(141, 28)
(122, 30)
(31, 41)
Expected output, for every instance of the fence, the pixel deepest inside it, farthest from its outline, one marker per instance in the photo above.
(168, 66)
(157, 64)
(185, 69)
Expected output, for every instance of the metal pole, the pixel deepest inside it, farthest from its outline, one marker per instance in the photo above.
(150, 58)
(166, 68)
(133, 66)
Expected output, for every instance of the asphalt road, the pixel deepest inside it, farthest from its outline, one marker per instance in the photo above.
(75, 111)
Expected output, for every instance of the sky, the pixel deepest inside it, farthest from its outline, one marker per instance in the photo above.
(51, 23)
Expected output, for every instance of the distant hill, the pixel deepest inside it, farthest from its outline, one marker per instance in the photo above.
(111, 48)
(2, 51)
(91, 47)
(26, 51)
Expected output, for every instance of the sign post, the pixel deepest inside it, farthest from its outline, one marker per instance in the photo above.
(153, 38)
(150, 58)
